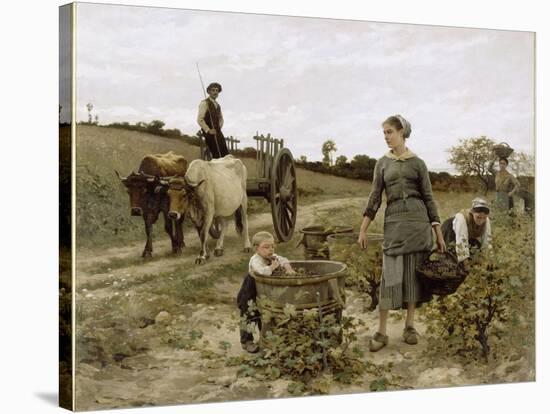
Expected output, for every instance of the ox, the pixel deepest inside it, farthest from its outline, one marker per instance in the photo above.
(148, 196)
(212, 190)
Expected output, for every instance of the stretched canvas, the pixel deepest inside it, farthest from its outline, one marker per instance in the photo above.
(329, 125)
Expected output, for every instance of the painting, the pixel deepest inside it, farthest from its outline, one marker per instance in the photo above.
(260, 206)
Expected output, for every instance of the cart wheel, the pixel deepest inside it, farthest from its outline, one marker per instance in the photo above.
(215, 230)
(283, 196)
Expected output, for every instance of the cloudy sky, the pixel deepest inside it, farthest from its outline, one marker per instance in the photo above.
(308, 79)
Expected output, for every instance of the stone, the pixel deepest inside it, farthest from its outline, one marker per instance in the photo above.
(163, 318)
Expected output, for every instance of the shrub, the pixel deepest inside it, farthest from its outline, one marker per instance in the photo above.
(307, 347)
(495, 304)
(364, 268)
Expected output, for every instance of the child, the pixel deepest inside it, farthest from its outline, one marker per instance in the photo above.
(263, 263)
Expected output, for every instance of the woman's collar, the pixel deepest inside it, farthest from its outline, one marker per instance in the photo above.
(405, 156)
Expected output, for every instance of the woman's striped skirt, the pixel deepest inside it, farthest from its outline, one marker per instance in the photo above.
(410, 290)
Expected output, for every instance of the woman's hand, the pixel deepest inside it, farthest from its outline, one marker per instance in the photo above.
(441, 246)
(362, 240)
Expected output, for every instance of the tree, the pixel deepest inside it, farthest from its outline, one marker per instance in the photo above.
(89, 107)
(155, 126)
(363, 166)
(522, 164)
(328, 149)
(302, 159)
(341, 161)
(475, 157)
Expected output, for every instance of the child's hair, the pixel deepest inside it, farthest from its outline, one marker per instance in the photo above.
(260, 237)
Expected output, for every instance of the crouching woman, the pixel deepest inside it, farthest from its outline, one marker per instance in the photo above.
(469, 230)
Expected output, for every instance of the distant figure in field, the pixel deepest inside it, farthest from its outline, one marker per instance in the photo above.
(469, 229)
(210, 119)
(506, 186)
(410, 218)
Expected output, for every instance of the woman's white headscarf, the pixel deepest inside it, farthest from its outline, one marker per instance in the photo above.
(406, 126)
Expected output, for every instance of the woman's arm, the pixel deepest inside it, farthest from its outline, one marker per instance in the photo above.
(375, 196)
(514, 181)
(431, 206)
(461, 230)
(373, 203)
(427, 194)
(363, 232)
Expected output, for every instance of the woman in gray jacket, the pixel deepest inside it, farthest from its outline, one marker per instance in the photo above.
(410, 215)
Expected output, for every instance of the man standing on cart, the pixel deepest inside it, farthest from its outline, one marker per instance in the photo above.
(210, 119)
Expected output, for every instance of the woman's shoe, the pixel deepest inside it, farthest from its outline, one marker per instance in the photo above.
(250, 347)
(378, 342)
(410, 336)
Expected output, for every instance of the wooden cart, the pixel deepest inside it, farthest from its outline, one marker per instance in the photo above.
(275, 180)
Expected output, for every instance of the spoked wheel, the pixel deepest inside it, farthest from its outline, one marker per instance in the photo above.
(284, 200)
(215, 230)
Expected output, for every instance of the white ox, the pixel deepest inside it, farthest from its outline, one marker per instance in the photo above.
(212, 190)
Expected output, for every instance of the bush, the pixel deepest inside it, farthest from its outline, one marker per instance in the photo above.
(311, 349)
(364, 268)
(494, 307)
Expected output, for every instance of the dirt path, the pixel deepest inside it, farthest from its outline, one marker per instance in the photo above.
(145, 337)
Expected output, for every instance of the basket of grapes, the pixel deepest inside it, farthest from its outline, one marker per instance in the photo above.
(503, 150)
(441, 273)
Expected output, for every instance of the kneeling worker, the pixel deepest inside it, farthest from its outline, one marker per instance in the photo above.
(469, 229)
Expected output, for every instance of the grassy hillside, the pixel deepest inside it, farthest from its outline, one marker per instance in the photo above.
(102, 203)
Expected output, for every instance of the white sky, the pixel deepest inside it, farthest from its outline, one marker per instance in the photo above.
(308, 79)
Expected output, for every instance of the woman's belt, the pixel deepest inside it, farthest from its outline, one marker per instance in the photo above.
(403, 198)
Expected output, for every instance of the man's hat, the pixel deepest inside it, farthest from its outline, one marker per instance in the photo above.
(480, 204)
(214, 85)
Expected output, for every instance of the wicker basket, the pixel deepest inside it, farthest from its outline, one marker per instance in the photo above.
(441, 274)
(503, 150)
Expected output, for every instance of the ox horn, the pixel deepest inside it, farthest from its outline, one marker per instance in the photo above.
(119, 177)
(193, 186)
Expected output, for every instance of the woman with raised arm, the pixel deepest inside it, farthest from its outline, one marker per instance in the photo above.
(411, 214)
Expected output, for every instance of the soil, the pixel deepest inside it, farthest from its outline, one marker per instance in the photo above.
(141, 367)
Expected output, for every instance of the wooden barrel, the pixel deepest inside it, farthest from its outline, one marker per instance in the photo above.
(322, 288)
(314, 240)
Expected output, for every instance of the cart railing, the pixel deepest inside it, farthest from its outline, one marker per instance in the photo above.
(232, 145)
(267, 148)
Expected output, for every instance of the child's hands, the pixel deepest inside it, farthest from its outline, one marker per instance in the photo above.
(274, 263)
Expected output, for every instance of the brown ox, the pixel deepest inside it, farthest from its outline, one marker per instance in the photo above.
(148, 196)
